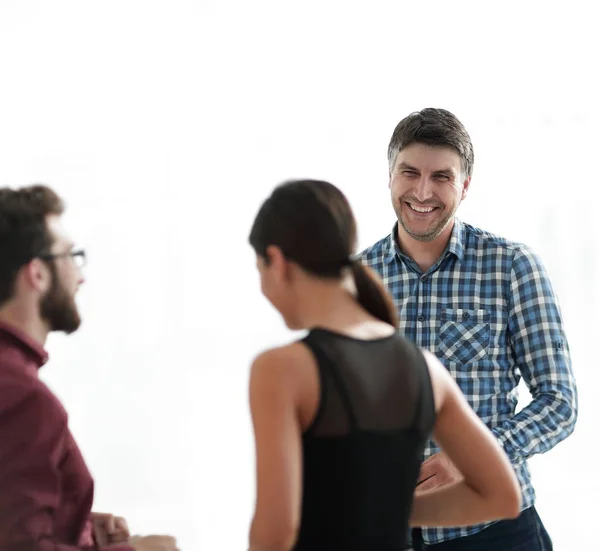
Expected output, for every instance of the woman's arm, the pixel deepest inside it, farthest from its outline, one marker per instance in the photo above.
(489, 489)
(278, 441)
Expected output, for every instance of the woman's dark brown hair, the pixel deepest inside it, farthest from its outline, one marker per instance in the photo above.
(312, 223)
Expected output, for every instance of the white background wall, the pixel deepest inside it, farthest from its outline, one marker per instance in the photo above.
(165, 124)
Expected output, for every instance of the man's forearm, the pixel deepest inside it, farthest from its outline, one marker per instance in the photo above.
(537, 428)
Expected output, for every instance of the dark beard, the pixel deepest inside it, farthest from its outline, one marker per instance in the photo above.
(427, 237)
(58, 309)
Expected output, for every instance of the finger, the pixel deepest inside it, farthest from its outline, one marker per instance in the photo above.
(427, 470)
(121, 526)
(109, 523)
(424, 479)
(101, 536)
(118, 537)
(120, 522)
(428, 484)
(431, 459)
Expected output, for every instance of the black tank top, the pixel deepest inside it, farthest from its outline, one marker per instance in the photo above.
(363, 451)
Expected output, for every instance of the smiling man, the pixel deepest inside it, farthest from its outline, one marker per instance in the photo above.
(485, 306)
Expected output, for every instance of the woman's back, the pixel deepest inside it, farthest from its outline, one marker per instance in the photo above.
(362, 452)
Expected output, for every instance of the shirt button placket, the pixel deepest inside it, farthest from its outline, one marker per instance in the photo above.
(422, 333)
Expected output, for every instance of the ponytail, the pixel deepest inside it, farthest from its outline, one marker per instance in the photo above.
(372, 294)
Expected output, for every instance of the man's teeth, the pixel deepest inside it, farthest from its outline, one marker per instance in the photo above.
(422, 209)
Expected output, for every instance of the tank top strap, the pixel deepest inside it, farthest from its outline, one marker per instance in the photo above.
(425, 409)
(327, 364)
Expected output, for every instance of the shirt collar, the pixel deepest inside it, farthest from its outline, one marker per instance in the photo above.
(455, 245)
(29, 345)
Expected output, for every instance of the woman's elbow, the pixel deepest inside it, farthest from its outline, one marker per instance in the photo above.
(513, 505)
(510, 502)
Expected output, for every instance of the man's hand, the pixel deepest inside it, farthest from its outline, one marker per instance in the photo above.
(437, 471)
(109, 529)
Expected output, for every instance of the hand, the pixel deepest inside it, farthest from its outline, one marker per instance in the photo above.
(437, 471)
(153, 543)
(109, 529)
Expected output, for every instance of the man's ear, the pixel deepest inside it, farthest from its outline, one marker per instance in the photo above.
(36, 275)
(466, 185)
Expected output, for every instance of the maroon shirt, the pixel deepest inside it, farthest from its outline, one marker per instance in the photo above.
(46, 490)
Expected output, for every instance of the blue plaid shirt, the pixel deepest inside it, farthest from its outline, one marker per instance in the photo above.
(488, 311)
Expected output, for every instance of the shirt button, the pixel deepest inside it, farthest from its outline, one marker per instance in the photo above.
(466, 315)
(423, 278)
(421, 318)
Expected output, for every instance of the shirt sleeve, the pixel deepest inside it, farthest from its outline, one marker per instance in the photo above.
(33, 428)
(541, 351)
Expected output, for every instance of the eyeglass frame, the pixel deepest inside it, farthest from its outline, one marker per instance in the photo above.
(75, 255)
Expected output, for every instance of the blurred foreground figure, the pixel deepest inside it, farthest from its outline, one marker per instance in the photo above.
(46, 490)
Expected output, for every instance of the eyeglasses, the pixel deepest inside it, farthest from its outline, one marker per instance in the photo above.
(78, 257)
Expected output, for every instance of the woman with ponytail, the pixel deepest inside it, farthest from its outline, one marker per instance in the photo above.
(341, 417)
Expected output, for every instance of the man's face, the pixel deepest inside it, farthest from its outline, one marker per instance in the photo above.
(57, 305)
(427, 184)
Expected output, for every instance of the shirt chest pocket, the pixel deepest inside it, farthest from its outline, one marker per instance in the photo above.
(464, 335)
